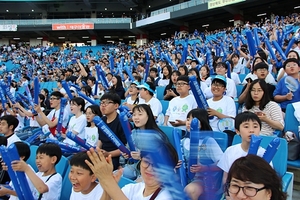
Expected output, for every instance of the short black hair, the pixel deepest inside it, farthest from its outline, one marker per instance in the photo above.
(78, 160)
(290, 60)
(261, 65)
(153, 69)
(221, 63)
(91, 78)
(57, 94)
(111, 96)
(50, 149)
(245, 117)
(23, 150)
(183, 78)
(10, 120)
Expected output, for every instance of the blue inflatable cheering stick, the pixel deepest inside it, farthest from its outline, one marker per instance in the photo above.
(110, 134)
(254, 144)
(194, 144)
(198, 94)
(271, 149)
(36, 90)
(60, 118)
(79, 140)
(177, 145)
(127, 130)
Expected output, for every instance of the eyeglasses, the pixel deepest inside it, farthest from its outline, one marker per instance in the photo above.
(220, 67)
(217, 85)
(145, 163)
(248, 191)
(180, 84)
(53, 98)
(105, 103)
(262, 70)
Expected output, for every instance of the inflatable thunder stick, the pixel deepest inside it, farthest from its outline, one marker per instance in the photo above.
(129, 73)
(79, 140)
(36, 133)
(67, 89)
(63, 103)
(86, 98)
(36, 90)
(11, 172)
(198, 94)
(194, 143)
(251, 43)
(228, 69)
(14, 155)
(127, 130)
(29, 97)
(254, 144)
(271, 149)
(269, 47)
(108, 132)
(147, 68)
(101, 77)
(8, 93)
(179, 151)
(278, 48)
(163, 166)
(65, 146)
(292, 41)
(3, 99)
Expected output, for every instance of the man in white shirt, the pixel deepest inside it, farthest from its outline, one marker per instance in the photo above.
(8, 123)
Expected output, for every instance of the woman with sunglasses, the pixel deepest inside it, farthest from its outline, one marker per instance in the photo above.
(251, 177)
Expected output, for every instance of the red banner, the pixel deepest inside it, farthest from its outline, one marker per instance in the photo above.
(75, 26)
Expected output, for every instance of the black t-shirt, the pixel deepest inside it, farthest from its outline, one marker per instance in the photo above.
(107, 145)
(170, 88)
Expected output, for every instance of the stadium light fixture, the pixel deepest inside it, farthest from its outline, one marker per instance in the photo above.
(39, 38)
(85, 37)
(261, 14)
(163, 34)
(107, 36)
(205, 25)
(232, 20)
(296, 7)
(131, 36)
(61, 38)
(7, 10)
(16, 38)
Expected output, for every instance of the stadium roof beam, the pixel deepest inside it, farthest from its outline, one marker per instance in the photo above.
(87, 3)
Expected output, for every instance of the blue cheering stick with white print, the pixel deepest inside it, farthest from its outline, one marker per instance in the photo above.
(79, 140)
(110, 134)
(155, 149)
(194, 144)
(127, 130)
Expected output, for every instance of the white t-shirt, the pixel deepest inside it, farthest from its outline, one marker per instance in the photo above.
(226, 106)
(31, 186)
(12, 139)
(55, 114)
(130, 101)
(269, 79)
(91, 135)
(155, 106)
(54, 186)
(135, 192)
(76, 124)
(179, 108)
(235, 77)
(95, 194)
(163, 82)
(232, 153)
(230, 90)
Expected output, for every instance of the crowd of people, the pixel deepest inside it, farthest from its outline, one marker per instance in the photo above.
(102, 81)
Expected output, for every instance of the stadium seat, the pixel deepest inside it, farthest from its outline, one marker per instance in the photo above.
(160, 92)
(290, 124)
(124, 181)
(279, 161)
(62, 166)
(66, 186)
(31, 159)
(239, 89)
(165, 105)
(242, 77)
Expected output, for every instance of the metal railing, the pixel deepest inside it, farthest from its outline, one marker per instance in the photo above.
(64, 21)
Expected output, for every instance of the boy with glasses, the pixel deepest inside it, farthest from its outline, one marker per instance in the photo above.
(109, 105)
(51, 120)
(230, 89)
(179, 107)
(220, 105)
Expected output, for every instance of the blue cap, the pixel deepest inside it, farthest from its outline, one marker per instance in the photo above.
(189, 58)
(146, 86)
(220, 77)
(135, 82)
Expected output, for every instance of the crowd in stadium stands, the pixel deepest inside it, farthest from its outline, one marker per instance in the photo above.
(248, 80)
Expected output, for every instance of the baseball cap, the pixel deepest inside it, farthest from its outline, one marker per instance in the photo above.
(189, 58)
(147, 87)
(220, 77)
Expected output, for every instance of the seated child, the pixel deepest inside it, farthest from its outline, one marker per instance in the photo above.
(47, 182)
(83, 179)
(246, 124)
